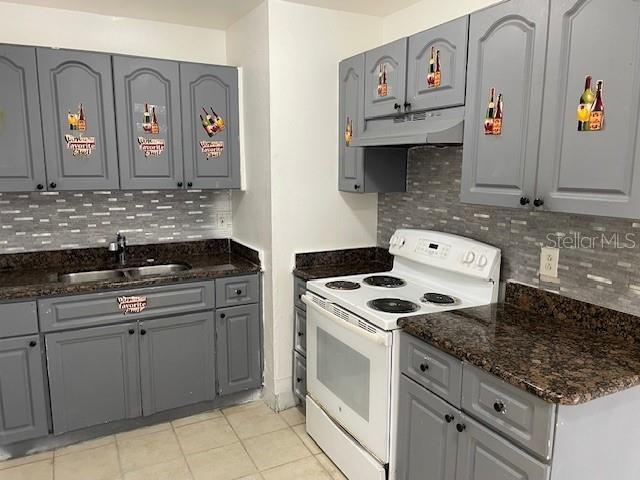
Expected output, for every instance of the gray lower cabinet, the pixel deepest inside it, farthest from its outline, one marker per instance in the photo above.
(147, 97)
(299, 376)
(21, 150)
(210, 129)
(507, 47)
(437, 66)
(385, 70)
(177, 361)
(94, 376)
(76, 96)
(23, 406)
(427, 437)
(595, 171)
(484, 455)
(238, 348)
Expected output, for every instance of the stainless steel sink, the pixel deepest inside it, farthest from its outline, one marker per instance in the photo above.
(149, 270)
(104, 275)
(95, 276)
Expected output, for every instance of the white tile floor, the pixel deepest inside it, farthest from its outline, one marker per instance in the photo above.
(248, 442)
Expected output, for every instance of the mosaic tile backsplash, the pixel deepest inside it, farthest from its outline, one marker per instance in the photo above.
(599, 256)
(55, 220)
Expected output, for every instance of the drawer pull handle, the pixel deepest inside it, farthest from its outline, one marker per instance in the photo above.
(424, 367)
(448, 418)
(461, 427)
(499, 407)
(222, 315)
(33, 343)
(238, 292)
(131, 331)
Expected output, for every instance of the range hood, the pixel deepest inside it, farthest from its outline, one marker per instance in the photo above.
(444, 126)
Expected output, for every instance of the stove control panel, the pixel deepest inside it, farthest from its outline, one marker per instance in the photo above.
(432, 248)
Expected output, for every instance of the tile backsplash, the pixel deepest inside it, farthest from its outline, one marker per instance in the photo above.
(599, 256)
(55, 220)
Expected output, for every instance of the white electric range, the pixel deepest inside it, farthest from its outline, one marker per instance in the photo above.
(352, 335)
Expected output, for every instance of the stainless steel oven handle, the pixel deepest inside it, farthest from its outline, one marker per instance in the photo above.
(372, 337)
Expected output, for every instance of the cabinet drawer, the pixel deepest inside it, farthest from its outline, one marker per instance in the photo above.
(100, 308)
(237, 291)
(18, 319)
(299, 376)
(299, 287)
(524, 418)
(300, 338)
(431, 368)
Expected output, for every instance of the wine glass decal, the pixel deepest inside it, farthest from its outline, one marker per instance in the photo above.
(494, 115)
(590, 112)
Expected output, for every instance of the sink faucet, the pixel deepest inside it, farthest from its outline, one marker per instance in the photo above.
(120, 247)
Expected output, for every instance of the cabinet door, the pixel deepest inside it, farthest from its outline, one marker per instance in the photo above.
(93, 376)
(23, 410)
(210, 114)
(592, 172)
(238, 348)
(351, 124)
(484, 455)
(506, 52)
(437, 66)
(177, 361)
(147, 96)
(385, 76)
(427, 437)
(21, 150)
(76, 95)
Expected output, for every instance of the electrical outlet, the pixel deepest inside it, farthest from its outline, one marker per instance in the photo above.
(549, 261)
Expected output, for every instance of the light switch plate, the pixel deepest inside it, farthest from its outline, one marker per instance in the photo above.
(549, 257)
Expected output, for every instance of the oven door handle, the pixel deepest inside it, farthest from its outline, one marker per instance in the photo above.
(372, 337)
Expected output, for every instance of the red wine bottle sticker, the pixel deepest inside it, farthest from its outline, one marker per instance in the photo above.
(494, 116)
(383, 87)
(77, 121)
(590, 111)
(434, 73)
(348, 132)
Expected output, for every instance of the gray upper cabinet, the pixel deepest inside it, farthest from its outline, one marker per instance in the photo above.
(592, 172)
(507, 45)
(484, 455)
(147, 96)
(94, 376)
(238, 348)
(350, 121)
(427, 437)
(177, 361)
(21, 149)
(210, 115)
(437, 66)
(23, 408)
(385, 79)
(76, 94)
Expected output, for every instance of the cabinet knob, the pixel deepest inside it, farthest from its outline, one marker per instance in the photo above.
(424, 367)
(356, 187)
(189, 184)
(461, 427)
(238, 292)
(300, 334)
(397, 106)
(143, 332)
(40, 186)
(448, 418)
(179, 184)
(223, 315)
(131, 331)
(498, 407)
(33, 343)
(298, 380)
(538, 202)
(407, 105)
(524, 201)
(53, 185)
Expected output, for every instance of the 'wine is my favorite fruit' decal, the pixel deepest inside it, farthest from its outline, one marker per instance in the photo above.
(590, 113)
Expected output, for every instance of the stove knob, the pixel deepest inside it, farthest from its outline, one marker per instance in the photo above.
(401, 241)
(482, 261)
(469, 257)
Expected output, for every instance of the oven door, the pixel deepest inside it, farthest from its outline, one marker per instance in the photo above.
(349, 373)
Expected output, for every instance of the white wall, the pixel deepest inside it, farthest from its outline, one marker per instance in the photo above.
(248, 47)
(32, 25)
(308, 213)
(427, 13)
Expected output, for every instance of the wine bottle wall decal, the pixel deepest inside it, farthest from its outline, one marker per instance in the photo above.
(213, 124)
(150, 145)
(590, 112)
(493, 117)
(348, 132)
(383, 87)
(434, 74)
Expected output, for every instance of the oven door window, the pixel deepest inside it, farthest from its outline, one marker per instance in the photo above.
(345, 372)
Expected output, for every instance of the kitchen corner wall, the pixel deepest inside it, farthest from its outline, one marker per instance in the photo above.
(600, 259)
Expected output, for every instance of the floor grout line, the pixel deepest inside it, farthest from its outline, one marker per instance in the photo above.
(184, 455)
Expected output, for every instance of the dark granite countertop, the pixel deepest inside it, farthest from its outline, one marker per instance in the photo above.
(337, 263)
(557, 358)
(35, 274)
